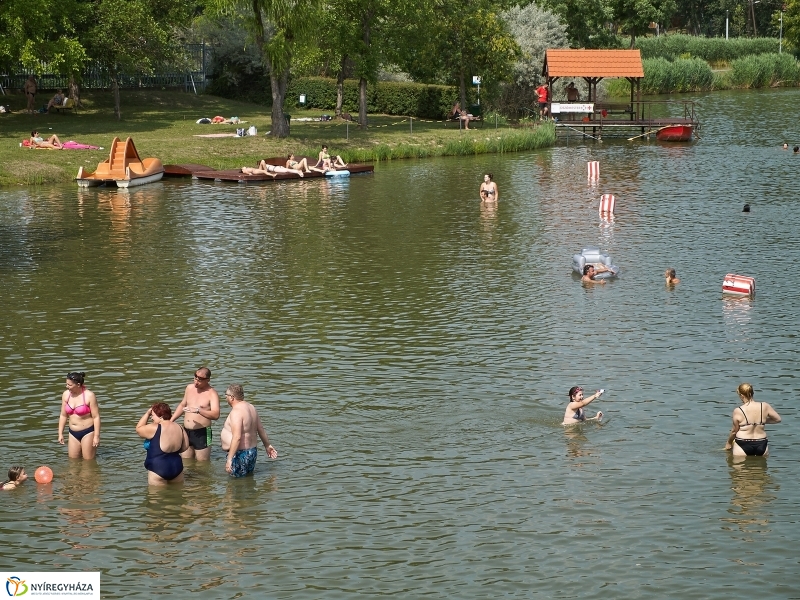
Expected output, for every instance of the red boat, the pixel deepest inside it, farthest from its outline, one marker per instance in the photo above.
(675, 133)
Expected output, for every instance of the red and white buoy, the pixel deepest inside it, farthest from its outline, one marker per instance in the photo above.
(739, 285)
(594, 170)
(607, 202)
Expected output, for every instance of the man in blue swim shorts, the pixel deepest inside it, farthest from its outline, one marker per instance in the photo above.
(240, 434)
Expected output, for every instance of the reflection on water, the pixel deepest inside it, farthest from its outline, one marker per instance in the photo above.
(396, 336)
(753, 492)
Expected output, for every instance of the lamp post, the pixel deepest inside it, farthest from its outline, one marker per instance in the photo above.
(780, 34)
(726, 24)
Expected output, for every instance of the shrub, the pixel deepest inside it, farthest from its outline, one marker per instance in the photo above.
(765, 70)
(713, 50)
(386, 97)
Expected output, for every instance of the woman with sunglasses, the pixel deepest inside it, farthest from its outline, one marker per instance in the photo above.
(79, 407)
(575, 413)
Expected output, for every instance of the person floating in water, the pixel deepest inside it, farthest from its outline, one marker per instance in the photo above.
(748, 425)
(671, 277)
(590, 272)
(575, 413)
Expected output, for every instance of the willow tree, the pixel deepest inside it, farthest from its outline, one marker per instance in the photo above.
(278, 27)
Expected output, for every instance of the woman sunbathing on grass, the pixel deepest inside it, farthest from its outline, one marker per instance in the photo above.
(267, 169)
(39, 142)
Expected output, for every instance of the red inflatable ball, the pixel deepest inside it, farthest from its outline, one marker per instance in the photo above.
(44, 474)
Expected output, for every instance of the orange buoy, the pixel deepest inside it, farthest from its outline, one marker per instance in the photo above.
(593, 170)
(739, 285)
(607, 203)
(44, 474)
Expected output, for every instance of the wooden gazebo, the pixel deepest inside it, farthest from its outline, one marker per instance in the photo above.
(593, 66)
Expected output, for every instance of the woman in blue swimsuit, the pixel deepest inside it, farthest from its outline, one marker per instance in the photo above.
(747, 436)
(167, 441)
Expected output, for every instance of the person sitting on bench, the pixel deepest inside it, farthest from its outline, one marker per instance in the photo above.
(57, 100)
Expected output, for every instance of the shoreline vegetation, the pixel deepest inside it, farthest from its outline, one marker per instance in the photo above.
(683, 63)
(162, 124)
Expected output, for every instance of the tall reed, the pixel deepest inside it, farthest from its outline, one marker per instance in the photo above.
(713, 50)
(765, 70)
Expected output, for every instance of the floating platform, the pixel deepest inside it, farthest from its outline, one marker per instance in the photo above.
(239, 177)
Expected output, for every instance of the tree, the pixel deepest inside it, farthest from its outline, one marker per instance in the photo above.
(43, 32)
(535, 30)
(587, 21)
(791, 23)
(127, 38)
(279, 28)
(452, 42)
(633, 17)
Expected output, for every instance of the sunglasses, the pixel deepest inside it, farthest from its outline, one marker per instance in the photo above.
(196, 376)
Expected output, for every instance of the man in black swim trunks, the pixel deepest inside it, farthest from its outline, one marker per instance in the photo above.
(200, 406)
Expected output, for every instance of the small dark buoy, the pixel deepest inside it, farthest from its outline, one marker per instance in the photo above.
(746, 208)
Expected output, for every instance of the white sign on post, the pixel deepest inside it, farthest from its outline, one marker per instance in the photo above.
(571, 107)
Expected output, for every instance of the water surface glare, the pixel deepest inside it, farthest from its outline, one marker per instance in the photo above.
(410, 354)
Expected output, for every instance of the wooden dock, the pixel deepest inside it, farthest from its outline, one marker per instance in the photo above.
(639, 118)
(203, 172)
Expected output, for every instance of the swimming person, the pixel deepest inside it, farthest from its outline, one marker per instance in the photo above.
(488, 189)
(16, 475)
(239, 434)
(79, 406)
(590, 272)
(575, 413)
(200, 406)
(671, 277)
(167, 441)
(749, 420)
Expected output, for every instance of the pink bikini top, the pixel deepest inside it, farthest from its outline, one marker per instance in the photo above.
(82, 410)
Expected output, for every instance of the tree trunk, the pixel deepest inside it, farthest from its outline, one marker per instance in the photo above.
(279, 82)
(633, 41)
(115, 90)
(340, 86)
(462, 90)
(362, 103)
(75, 91)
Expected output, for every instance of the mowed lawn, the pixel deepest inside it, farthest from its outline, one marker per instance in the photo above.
(163, 124)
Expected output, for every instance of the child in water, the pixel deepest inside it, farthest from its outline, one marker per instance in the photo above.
(671, 277)
(16, 475)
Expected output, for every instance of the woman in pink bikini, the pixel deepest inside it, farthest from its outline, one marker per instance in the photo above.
(80, 406)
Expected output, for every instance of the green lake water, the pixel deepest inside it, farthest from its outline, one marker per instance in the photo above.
(410, 354)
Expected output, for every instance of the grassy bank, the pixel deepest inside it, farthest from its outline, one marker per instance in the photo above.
(162, 124)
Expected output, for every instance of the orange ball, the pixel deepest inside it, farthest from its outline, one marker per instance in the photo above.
(44, 474)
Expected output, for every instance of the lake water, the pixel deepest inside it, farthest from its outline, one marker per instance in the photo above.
(410, 354)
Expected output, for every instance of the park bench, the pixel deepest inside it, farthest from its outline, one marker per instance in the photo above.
(612, 108)
(476, 115)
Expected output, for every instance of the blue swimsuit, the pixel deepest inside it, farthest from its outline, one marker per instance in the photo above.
(167, 465)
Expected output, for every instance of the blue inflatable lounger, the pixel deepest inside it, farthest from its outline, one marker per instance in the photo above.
(337, 173)
(593, 256)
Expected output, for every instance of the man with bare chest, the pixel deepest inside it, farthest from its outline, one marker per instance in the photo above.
(240, 434)
(200, 406)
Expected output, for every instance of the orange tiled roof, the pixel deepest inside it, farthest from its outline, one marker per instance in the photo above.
(593, 63)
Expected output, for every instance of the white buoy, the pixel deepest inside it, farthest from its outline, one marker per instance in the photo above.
(739, 285)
